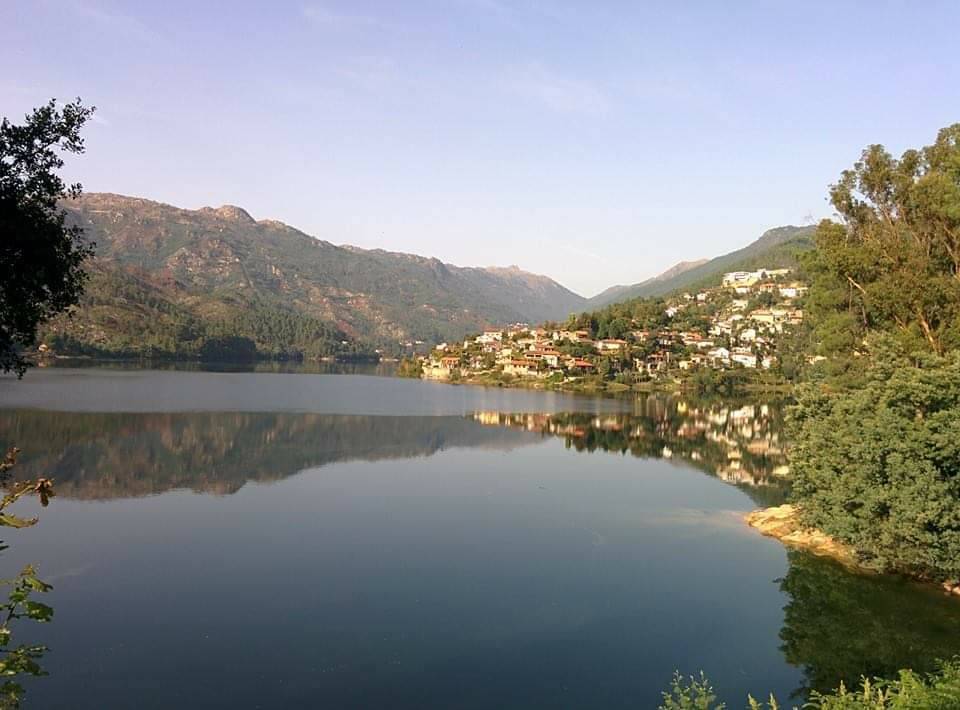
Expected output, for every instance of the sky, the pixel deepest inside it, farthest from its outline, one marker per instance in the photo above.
(597, 142)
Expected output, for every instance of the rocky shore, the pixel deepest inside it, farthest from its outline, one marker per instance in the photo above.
(782, 522)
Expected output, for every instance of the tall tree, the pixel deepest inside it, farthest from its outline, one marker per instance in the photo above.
(40, 255)
(893, 261)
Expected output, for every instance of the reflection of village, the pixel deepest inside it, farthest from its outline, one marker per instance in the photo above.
(740, 445)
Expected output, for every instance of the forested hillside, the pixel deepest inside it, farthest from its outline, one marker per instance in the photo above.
(171, 280)
(621, 292)
(776, 248)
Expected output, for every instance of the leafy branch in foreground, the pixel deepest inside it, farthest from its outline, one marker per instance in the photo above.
(909, 691)
(20, 660)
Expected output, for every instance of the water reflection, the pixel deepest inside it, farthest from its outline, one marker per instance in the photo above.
(309, 367)
(742, 445)
(107, 455)
(841, 626)
(110, 455)
(525, 564)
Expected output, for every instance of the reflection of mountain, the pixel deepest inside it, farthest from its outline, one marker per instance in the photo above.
(740, 445)
(101, 456)
(841, 626)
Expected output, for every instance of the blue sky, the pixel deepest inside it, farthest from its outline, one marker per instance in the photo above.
(596, 142)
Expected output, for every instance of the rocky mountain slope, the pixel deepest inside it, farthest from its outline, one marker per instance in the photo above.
(173, 271)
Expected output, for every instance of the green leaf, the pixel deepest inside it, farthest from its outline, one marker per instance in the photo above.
(39, 612)
(36, 584)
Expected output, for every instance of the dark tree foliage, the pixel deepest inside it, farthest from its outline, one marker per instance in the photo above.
(228, 348)
(40, 256)
(879, 467)
(616, 320)
(876, 459)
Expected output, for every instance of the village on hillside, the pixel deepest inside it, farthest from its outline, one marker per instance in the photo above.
(740, 324)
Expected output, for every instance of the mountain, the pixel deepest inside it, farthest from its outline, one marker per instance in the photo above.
(775, 248)
(623, 293)
(176, 277)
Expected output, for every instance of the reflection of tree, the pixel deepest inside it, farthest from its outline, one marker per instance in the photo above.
(102, 456)
(740, 444)
(840, 626)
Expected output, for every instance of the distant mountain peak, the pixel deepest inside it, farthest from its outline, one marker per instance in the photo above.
(225, 265)
(774, 247)
(230, 212)
(679, 268)
(615, 293)
(512, 269)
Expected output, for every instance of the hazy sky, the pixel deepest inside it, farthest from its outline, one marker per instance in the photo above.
(597, 142)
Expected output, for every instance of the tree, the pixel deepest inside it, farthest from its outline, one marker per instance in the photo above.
(40, 256)
(893, 262)
(879, 467)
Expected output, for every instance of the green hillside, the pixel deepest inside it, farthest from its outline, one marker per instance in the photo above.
(775, 248)
(167, 280)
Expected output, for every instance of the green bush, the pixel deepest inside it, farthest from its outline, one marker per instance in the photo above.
(879, 467)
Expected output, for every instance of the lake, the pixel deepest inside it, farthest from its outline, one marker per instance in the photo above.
(277, 540)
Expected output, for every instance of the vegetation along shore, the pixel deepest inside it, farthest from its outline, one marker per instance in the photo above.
(860, 325)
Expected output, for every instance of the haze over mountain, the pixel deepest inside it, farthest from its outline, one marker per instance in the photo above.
(776, 247)
(623, 292)
(165, 274)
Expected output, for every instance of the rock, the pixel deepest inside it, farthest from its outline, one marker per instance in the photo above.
(783, 523)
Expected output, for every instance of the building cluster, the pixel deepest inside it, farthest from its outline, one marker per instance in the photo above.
(734, 325)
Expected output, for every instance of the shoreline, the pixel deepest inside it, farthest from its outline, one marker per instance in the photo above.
(781, 523)
(607, 388)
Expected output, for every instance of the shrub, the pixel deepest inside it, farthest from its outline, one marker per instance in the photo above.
(879, 467)
(909, 691)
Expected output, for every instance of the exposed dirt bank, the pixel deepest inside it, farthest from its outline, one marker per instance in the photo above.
(782, 522)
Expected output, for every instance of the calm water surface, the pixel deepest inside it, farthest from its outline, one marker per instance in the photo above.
(230, 540)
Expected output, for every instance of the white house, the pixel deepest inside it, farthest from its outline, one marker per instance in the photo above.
(611, 345)
(743, 356)
(719, 355)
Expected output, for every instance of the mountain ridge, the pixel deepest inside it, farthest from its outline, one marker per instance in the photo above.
(612, 294)
(776, 247)
(209, 265)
